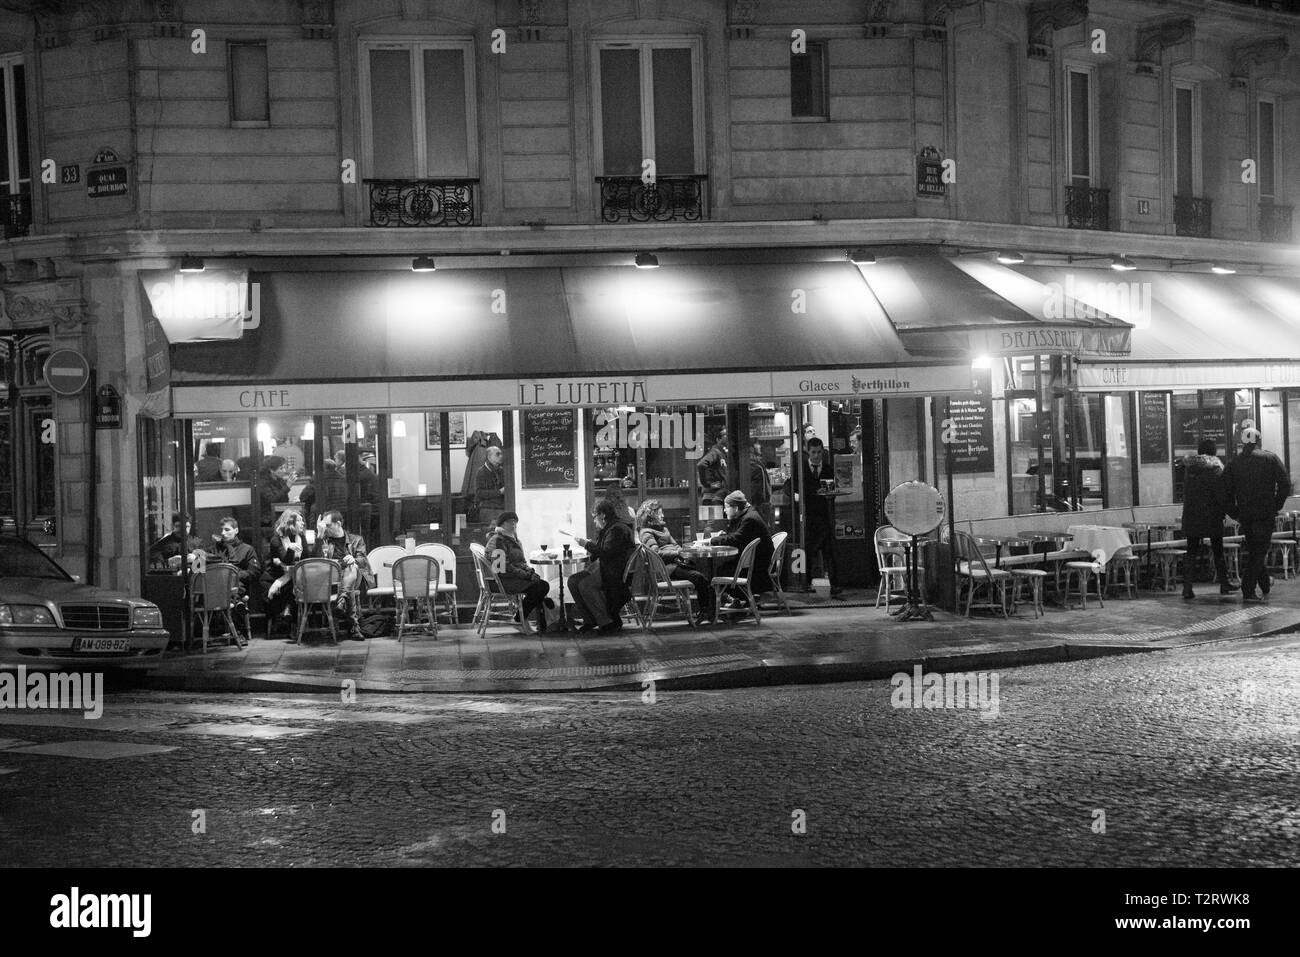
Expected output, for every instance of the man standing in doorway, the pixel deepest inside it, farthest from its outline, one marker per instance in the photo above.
(819, 511)
(1256, 488)
(712, 471)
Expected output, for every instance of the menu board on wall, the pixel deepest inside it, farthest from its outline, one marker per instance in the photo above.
(1153, 426)
(550, 438)
(972, 443)
(1191, 426)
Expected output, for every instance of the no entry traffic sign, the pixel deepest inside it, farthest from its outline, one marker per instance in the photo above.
(67, 371)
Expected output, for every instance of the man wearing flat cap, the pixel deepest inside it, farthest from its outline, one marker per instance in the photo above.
(745, 525)
(1256, 488)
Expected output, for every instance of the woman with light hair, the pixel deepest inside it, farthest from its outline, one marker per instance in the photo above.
(652, 531)
(288, 545)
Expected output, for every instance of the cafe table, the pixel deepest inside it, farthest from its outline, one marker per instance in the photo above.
(912, 607)
(574, 563)
(710, 555)
(1001, 542)
(1103, 542)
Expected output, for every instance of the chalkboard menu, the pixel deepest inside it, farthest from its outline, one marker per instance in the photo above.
(972, 443)
(1193, 425)
(549, 448)
(1153, 427)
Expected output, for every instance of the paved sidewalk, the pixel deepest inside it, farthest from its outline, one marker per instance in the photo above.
(818, 642)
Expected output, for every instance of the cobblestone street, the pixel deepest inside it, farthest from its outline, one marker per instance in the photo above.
(1191, 756)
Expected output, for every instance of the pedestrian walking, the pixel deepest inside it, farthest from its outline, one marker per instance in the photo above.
(1204, 505)
(1256, 487)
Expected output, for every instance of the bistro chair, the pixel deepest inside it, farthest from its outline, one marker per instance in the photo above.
(446, 586)
(1079, 574)
(212, 592)
(415, 581)
(776, 566)
(315, 582)
(1033, 579)
(640, 586)
(663, 588)
(381, 560)
(741, 579)
(974, 575)
(494, 600)
(892, 562)
(1122, 573)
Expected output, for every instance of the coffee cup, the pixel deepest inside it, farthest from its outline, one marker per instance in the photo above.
(310, 535)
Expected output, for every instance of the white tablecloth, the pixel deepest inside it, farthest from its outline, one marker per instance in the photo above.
(1104, 542)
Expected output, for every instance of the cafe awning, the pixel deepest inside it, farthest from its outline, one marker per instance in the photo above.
(507, 337)
(971, 307)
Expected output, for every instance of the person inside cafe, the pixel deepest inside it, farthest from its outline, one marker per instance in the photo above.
(230, 549)
(712, 471)
(760, 483)
(490, 484)
(288, 545)
(654, 535)
(272, 487)
(1256, 488)
(517, 577)
(208, 468)
(325, 492)
(745, 525)
(229, 470)
(167, 553)
(349, 550)
(1203, 511)
(599, 591)
(819, 512)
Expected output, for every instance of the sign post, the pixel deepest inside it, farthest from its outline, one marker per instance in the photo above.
(915, 509)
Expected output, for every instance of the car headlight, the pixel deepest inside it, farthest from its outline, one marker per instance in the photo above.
(26, 615)
(148, 616)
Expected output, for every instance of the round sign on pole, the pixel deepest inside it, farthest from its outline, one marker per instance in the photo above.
(67, 371)
(914, 508)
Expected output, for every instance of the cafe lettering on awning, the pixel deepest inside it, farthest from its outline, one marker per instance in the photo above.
(1069, 340)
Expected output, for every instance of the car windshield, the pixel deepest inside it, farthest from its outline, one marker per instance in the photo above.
(21, 559)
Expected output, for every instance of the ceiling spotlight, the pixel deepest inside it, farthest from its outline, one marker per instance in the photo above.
(646, 261)
(1122, 264)
(861, 257)
(1008, 258)
(1222, 269)
(423, 264)
(191, 264)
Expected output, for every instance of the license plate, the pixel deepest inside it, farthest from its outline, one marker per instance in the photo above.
(100, 645)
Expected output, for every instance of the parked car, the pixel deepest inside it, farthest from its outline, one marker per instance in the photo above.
(49, 621)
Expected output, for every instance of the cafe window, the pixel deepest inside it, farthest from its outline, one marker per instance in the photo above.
(250, 102)
(418, 109)
(15, 163)
(1268, 149)
(649, 106)
(809, 98)
(1187, 139)
(27, 448)
(1081, 125)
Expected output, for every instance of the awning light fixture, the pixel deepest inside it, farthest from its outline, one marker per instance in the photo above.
(1009, 258)
(861, 257)
(1222, 269)
(399, 428)
(423, 264)
(192, 264)
(1122, 264)
(646, 261)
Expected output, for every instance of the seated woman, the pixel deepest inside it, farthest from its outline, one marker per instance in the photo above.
(229, 549)
(599, 592)
(655, 536)
(517, 576)
(288, 544)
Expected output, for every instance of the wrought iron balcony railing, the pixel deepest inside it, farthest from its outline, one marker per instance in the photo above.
(1192, 216)
(422, 202)
(1274, 223)
(1087, 207)
(18, 214)
(667, 199)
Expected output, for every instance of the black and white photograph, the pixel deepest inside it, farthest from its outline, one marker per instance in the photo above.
(651, 434)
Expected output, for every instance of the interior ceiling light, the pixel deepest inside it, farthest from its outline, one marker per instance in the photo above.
(862, 257)
(192, 264)
(1008, 258)
(647, 261)
(1222, 269)
(1122, 264)
(423, 264)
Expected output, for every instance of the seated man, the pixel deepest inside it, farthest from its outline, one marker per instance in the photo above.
(745, 525)
(599, 591)
(229, 549)
(517, 577)
(168, 552)
(349, 550)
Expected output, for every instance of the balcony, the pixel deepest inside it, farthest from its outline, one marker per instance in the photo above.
(1192, 216)
(626, 199)
(18, 215)
(422, 202)
(1274, 223)
(1087, 207)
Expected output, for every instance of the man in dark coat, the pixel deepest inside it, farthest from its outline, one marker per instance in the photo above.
(230, 549)
(819, 512)
(599, 596)
(177, 548)
(1256, 487)
(745, 526)
(326, 493)
(1203, 510)
(490, 485)
(349, 550)
(712, 471)
(208, 468)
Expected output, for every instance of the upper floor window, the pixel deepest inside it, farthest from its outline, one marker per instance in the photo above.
(15, 163)
(1081, 125)
(649, 106)
(808, 87)
(250, 101)
(418, 112)
(1187, 139)
(1268, 148)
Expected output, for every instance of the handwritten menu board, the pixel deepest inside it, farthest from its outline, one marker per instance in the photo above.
(1193, 425)
(1153, 426)
(972, 444)
(549, 448)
